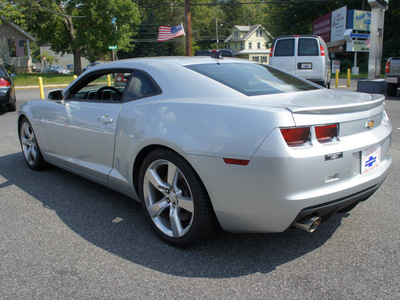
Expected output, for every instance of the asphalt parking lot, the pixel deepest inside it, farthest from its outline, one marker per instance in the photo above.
(64, 237)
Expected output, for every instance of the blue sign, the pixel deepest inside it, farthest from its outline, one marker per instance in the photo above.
(370, 162)
(359, 36)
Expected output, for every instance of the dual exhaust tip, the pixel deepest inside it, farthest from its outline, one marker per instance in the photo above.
(309, 224)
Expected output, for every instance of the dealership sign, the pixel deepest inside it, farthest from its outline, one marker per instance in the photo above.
(322, 27)
(359, 20)
(338, 24)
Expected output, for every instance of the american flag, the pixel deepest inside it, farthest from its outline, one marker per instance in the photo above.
(368, 42)
(166, 33)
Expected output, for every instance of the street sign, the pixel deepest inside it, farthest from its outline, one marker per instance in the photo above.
(112, 47)
(359, 36)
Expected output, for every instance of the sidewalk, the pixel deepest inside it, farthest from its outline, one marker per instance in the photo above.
(343, 84)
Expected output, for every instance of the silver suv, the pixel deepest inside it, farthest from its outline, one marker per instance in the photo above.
(302, 55)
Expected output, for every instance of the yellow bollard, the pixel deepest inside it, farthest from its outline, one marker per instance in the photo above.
(108, 80)
(348, 77)
(41, 88)
(337, 78)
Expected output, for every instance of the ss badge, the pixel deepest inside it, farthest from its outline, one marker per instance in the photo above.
(333, 156)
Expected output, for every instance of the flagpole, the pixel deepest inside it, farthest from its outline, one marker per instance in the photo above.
(188, 31)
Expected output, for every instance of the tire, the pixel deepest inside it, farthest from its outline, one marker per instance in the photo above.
(12, 107)
(175, 200)
(391, 90)
(30, 147)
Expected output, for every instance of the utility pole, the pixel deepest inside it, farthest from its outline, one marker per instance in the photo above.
(216, 32)
(188, 25)
(378, 8)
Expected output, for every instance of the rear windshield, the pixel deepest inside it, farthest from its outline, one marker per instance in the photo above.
(308, 47)
(284, 47)
(2, 72)
(252, 79)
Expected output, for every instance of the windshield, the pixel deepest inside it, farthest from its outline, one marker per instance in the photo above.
(253, 79)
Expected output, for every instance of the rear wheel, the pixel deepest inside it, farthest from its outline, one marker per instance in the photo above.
(175, 200)
(12, 107)
(30, 146)
(391, 89)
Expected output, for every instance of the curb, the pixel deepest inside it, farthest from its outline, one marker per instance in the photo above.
(27, 87)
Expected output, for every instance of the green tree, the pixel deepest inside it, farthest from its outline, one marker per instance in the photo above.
(83, 28)
(391, 42)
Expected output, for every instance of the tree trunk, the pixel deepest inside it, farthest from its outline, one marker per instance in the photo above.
(69, 27)
(77, 61)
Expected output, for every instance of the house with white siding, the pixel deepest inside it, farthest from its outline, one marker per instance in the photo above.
(14, 46)
(250, 42)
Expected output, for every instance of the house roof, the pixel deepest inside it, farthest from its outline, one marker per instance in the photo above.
(249, 31)
(28, 36)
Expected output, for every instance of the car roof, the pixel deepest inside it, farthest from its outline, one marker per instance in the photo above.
(176, 60)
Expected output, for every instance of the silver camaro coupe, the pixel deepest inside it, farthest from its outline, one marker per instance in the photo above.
(206, 142)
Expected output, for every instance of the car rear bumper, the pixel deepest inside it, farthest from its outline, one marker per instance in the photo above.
(345, 204)
(278, 187)
(392, 79)
(5, 96)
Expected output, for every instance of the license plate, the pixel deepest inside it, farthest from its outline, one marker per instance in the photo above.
(370, 159)
(391, 79)
(306, 66)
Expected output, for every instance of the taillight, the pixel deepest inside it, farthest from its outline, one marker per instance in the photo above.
(272, 50)
(4, 82)
(387, 69)
(322, 50)
(296, 136)
(326, 133)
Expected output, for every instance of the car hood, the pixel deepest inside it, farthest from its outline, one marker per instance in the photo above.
(321, 101)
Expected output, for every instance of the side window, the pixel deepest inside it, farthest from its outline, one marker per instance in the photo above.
(140, 86)
(101, 86)
(308, 47)
(284, 47)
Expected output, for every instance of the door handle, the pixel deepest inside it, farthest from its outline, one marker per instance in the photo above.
(105, 119)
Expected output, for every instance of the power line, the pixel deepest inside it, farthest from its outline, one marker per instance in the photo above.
(238, 3)
(55, 12)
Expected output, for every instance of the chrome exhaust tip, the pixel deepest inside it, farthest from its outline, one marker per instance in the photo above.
(308, 224)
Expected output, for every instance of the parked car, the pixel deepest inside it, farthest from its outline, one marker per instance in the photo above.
(201, 143)
(392, 75)
(302, 55)
(7, 91)
(91, 65)
(215, 52)
(56, 70)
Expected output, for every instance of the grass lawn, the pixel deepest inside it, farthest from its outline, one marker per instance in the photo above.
(24, 79)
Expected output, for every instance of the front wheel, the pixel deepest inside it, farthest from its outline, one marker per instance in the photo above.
(30, 146)
(175, 200)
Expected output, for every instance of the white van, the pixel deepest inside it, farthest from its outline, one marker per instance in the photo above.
(303, 55)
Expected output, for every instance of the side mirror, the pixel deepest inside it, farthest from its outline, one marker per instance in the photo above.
(55, 95)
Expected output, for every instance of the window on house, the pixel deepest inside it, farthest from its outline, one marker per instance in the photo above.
(256, 58)
(258, 45)
(17, 48)
(236, 34)
(250, 45)
(259, 32)
(241, 46)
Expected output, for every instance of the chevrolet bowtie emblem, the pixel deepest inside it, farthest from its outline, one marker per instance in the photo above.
(369, 124)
